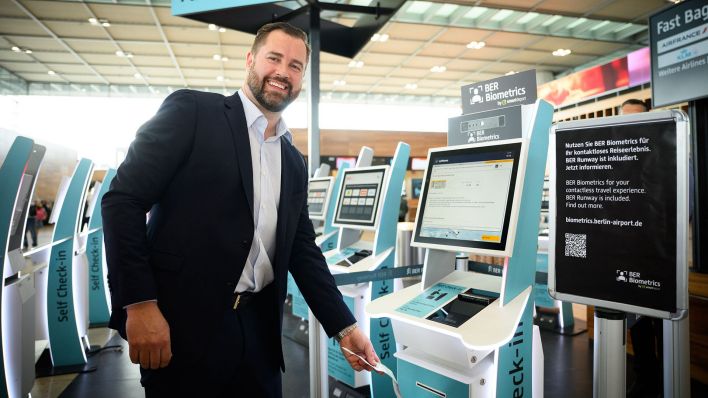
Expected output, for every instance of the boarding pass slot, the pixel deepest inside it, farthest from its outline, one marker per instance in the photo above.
(431, 390)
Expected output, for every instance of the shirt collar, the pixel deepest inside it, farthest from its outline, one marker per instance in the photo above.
(253, 114)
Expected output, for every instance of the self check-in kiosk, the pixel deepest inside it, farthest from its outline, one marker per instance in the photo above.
(367, 200)
(619, 235)
(18, 176)
(469, 334)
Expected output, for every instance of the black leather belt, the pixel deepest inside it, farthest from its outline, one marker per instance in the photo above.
(242, 299)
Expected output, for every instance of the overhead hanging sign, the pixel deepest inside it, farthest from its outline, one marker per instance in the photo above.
(516, 89)
(678, 39)
(184, 7)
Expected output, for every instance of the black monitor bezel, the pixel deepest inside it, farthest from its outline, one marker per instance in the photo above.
(320, 215)
(377, 202)
(516, 148)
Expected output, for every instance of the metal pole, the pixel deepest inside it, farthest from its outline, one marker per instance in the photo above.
(313, 94)
(677, 366)
(318, 359)
(609, 354)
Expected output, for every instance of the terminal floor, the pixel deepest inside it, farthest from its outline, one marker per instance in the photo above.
(567, 362)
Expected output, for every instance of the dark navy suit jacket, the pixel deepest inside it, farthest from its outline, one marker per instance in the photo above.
(190, 166)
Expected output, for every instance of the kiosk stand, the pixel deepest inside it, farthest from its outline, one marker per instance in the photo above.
(18, 176)
(67, 281)
(468, 334)
(367, 200)
(99, 296)
(619, 234)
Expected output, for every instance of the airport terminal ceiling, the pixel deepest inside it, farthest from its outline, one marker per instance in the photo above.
(424, 53)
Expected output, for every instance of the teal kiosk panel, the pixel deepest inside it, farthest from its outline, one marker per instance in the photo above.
(17, 178)
(99, 302)
(65, 343)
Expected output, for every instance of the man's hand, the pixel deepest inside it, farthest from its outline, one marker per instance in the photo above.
(358, 343)
(148, 336)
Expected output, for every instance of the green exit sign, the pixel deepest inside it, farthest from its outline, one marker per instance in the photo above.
(184, 7)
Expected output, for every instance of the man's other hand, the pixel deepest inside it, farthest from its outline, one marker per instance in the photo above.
(148, 336)
(358, 343)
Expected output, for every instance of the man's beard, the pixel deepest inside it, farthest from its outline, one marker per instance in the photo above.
(270, 101)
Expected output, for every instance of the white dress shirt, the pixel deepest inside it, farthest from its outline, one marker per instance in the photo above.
(266, 163)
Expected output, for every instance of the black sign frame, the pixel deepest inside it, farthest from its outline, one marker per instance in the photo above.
(591, 285)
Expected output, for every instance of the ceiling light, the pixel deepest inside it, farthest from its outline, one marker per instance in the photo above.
(561, 52)
(476, 44)
(600, 25)
(222, 30)
(16, 49)
(137, 75)
(528, 17)
(216, 57)
(438, 69)
(511, 72)
(356, 64)
(224, 59)
(220, 78)
(379, 37)
(51, 72)
(551, 20)
(411, 86)
(577, 22)
(501, 15)
(475, 12)
(99, 21)
(213, 27)
(339, 83)
(28, 51)
(124, 54)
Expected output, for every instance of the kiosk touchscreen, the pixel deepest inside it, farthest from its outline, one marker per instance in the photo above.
(467, 199)
(358, 199)
(318, 194)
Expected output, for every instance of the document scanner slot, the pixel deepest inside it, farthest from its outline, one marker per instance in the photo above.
(355, 258)
(461, 309)
(431, 390)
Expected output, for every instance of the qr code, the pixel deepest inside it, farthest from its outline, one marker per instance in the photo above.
(576, 245)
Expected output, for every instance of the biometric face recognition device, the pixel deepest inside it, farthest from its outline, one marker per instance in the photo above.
(18, 176)
(619, 234)
(366, 213)
(469, 334)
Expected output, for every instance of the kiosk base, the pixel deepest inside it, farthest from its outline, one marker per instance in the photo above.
(44, 367)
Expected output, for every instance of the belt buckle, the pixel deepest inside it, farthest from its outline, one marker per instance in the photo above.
(237, 300)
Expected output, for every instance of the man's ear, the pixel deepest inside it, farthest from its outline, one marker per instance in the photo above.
(249, 60)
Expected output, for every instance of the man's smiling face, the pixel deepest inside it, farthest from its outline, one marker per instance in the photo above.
(276, 70)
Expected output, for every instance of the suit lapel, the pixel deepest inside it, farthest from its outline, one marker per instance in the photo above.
(239, 132)
(285, 195)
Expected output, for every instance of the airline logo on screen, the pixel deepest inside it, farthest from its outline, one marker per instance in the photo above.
(635, 278)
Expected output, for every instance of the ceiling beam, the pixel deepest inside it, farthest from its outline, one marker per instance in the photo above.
(166, 42)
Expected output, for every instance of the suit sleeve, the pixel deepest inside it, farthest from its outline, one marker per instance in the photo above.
(310, 270)
(160, 147)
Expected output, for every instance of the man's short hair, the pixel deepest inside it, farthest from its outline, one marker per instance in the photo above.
(634, 101)
(288, 29)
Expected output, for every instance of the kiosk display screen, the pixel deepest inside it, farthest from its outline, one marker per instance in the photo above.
(467, 197)
(317, 197)
(359, 197)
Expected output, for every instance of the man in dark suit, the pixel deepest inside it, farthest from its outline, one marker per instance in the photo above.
(198, 291)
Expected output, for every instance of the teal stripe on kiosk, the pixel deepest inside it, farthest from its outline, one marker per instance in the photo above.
(65, 343)
(381, 331)
(10, 178)
(515, 358)
(99, 312)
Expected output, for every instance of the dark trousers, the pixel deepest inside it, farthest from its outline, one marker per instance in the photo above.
(31, 227)
(241, 359)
